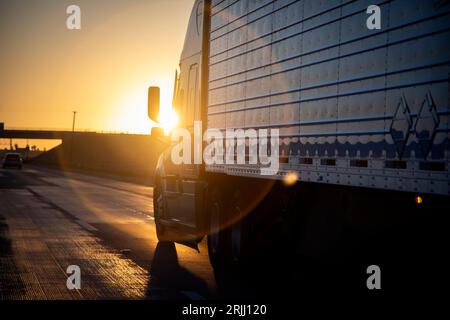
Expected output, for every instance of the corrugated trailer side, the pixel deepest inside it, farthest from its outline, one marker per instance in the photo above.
(354, 106)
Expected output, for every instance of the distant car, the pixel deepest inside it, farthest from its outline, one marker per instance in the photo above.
(12, 160)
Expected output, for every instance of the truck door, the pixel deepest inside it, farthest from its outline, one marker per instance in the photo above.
(184, 192)
(184, 201)
(191, 184)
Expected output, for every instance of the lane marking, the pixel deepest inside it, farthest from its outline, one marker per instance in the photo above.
(102, 182)
(86, 225)
(30, 171)
(192, 295)
(21, 192)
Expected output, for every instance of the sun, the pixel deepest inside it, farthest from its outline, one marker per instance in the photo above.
(168, 120)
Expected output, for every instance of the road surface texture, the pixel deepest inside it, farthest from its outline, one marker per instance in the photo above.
(50, 220)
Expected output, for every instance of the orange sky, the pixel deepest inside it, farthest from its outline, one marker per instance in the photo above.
(102, 71)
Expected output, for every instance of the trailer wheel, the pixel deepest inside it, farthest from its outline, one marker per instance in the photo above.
(158, 210)
(217, 236)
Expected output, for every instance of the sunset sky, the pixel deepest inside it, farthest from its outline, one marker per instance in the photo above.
(102, 71)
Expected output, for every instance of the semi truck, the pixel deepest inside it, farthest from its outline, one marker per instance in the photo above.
(361, 115)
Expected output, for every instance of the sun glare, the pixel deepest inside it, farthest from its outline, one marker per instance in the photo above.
(131, 112)
(168, 120)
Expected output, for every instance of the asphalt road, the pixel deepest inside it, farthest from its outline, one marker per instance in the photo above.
(50, 220)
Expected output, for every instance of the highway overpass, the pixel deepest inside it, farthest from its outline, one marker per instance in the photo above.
(127, 154)
(33, 134)
(53, 134)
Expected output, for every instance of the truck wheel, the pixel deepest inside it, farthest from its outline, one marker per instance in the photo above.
(217, 236)
(158, 209)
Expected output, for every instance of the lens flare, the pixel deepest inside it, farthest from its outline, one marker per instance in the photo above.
(290, 178)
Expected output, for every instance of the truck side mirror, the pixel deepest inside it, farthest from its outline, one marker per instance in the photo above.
(153, 103)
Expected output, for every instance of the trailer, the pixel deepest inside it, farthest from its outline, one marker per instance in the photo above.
(362, 114)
